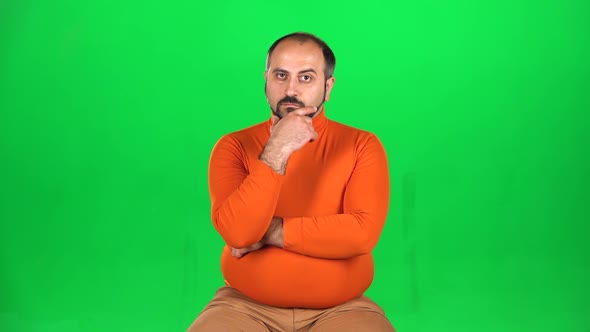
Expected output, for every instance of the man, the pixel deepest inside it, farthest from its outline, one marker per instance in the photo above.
(300, 201)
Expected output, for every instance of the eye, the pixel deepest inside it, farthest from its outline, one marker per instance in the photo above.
(281, 76)
(306, 78)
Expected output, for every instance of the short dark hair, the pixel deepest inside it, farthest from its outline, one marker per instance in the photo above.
(329, 58)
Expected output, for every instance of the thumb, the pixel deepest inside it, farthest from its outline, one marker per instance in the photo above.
(274, 119)
(305, 110)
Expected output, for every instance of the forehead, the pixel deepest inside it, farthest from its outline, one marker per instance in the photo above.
(293, 55)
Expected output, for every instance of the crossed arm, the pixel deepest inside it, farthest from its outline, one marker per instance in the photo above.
(244, 201)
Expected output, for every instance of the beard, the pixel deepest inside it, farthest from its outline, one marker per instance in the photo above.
(292, 100)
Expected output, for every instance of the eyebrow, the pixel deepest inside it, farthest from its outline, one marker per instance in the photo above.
(310, 70)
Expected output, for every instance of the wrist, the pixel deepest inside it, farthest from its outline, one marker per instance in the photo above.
(274, 234)
(275, 157)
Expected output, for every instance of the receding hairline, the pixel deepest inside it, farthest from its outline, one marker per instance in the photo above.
(298, 43)
(302, 38)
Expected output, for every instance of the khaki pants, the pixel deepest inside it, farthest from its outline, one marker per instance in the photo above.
(231, 311)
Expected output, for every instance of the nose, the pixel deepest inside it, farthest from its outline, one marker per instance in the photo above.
(291, 89)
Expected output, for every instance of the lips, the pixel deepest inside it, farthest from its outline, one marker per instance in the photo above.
(290, 105)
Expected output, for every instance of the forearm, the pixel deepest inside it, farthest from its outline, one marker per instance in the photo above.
(274, 235)
(356, 229)
(338, 236)
(275, 156)
(243, 195)
(244, 216)
(238, 207)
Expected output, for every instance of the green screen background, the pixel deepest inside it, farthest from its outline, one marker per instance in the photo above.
(109, 110)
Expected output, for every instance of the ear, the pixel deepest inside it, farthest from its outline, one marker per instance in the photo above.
(329, 86)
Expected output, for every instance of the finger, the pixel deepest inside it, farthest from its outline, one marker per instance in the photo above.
(305, 110)
(238, 253)
(274, 119)
(314, 136)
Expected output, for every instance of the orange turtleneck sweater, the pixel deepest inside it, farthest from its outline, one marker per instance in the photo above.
(333, 199)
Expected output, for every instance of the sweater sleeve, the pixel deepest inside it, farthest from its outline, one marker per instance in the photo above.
(243, 197)
(357, 230)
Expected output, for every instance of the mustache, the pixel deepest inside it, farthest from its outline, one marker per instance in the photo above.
(291, 100)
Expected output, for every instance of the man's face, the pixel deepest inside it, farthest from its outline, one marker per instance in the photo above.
(295, 77)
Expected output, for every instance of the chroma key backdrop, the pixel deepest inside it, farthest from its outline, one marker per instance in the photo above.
(109, 110)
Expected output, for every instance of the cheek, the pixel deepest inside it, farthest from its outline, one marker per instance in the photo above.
(272, 89)
(273, 96)
(319, 92)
